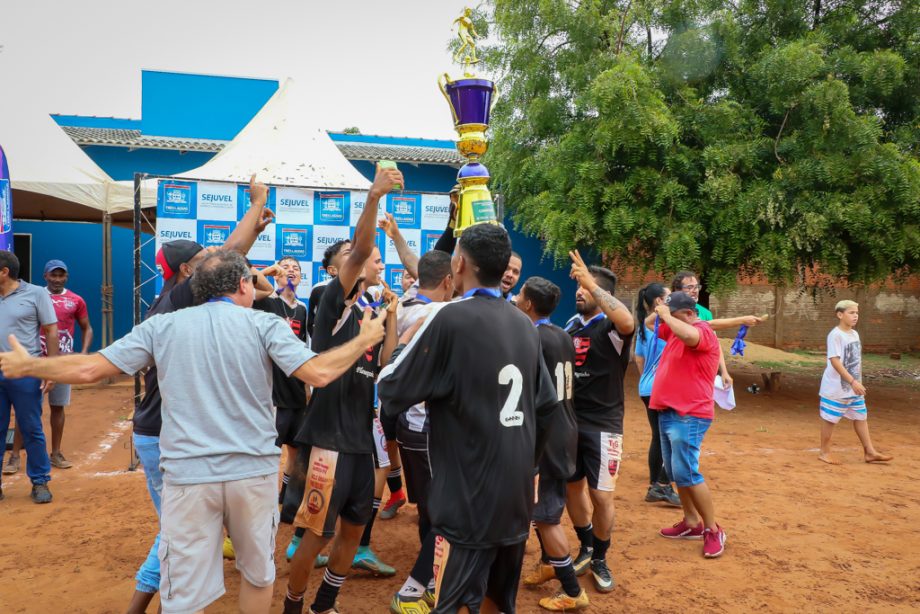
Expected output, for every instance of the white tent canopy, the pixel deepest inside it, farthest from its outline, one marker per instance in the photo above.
(281, 144)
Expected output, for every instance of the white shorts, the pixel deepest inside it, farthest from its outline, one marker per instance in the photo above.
(191, 538)
(381, 455)
(853, 408)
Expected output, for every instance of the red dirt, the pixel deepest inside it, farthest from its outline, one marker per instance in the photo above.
(802, 535)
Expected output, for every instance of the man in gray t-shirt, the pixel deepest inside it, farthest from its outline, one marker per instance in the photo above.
(217, 443)
(25, 311)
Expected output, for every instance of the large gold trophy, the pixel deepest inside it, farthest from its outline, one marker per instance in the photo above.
(470, 100)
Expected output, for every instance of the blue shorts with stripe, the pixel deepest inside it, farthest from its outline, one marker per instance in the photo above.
(853, 408)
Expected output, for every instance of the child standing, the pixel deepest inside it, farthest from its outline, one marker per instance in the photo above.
(842, 393)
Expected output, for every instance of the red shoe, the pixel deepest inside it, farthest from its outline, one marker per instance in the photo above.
(713, 542)
(682, 530)
(396, 501)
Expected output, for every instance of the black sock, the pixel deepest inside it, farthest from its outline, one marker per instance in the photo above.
(544, 558)
(366, 538)
(600, 549)
(328, 591)
(285, 478)
(565, 573)
(585, 536)
(300, 532)
(394, 480)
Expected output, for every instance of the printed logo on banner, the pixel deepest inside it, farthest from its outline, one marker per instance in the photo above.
(331, 207)
(405, 210)
(306, 281)
(296, 241)
(6, 206)
(294, 205)
(264, 247)
(430, 239)
(217, 201)
(435, 210)
(242, 200)
(324, 236)
(172, 229)
(394, 277)
(176, 199)
(213, 234)
(413, 239)
(319, 273)
(357, 206)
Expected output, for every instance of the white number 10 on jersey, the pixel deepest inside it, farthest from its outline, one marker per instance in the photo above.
(510, 414)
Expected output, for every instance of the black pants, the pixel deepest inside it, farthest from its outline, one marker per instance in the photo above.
(656, 470)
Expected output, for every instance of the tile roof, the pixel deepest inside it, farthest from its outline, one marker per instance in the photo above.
(133, 139)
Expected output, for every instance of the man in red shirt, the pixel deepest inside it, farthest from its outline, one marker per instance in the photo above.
(70, 309)
(682, 392)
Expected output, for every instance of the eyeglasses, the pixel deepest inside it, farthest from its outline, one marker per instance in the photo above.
(692, 287)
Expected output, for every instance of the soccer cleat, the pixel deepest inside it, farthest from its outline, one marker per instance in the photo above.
(713, 542)
(603, 579)
(583, 560)
(12, 464)
(292, 548)
(229, 552)
(396, 501)
(429, 598)
(408, 605)
(682, 530)
(563, 603)
(58, 460)
(541, 573)
(40, 493)
(366, 559)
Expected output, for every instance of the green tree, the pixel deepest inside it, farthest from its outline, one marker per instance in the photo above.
(731, 136)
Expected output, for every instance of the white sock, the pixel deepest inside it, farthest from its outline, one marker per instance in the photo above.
(412, 588)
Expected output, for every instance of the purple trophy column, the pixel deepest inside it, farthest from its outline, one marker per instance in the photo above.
(6, 205)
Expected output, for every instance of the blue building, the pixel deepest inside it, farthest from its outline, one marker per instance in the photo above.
(185, 120)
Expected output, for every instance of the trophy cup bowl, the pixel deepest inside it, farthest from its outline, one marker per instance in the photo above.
(470, 100)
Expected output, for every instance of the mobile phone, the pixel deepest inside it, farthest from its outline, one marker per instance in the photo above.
(389, 164)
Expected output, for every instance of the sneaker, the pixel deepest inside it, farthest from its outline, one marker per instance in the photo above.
(564, 603)
(58, 460)
(541, 573)
(12, 464)
(367, 560)
(292, 548)
(603, 579)
(408, 605)
(229, 552)
(663, 494)
(396, 501)
(682, 530)
(713, 542)
(429, 598)
(41, 494)
(583, 561)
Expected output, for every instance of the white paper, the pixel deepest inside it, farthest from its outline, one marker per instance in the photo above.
(723, 398)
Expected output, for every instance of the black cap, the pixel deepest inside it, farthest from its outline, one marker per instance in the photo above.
(174, 254)
(680, 300)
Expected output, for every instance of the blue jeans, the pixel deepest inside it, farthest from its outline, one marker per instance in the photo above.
(148, 451)
(25, 396)
(681, 438)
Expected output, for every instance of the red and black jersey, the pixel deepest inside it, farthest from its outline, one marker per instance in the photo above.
(601, 358)
(287, 391)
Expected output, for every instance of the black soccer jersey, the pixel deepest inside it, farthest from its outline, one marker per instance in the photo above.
(477, 364)
(287, 391)
(601, 358)
(312, 303)
(558, 460)
(340, 415)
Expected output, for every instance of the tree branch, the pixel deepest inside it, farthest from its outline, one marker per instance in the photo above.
(623, 28)
(779, 134)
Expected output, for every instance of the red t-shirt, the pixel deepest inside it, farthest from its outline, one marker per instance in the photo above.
(69, 308)
(685, 378)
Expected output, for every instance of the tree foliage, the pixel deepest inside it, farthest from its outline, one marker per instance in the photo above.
(752, 136)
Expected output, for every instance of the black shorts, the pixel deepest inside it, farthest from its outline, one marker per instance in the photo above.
(598, 459)
(413, 450)
(550, 501)
(287, 423)
(465, 576)
(337, 484)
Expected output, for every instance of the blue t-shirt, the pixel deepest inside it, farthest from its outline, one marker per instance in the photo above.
(649, 348)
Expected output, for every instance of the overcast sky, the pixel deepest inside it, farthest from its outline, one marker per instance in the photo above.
(377, 62)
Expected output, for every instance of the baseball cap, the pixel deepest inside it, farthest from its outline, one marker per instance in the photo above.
(174, 254)
(680, 300)
(55, 264)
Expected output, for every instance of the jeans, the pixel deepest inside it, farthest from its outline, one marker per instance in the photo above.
(148, 451)
(681, 438)
(25, 396)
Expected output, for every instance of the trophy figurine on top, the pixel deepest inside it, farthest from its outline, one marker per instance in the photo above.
(470, 99)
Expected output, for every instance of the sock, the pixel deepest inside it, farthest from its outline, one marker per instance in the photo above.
(412, 588)
(285, 478)
(600, 549)
(366, 538)
(394, 480)
(544, 558)
(565, 573)
(300, 532)
(328, 591)
(294, 596)
(585, 536)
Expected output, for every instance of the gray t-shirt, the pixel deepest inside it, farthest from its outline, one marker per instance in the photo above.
(22, 313)
(214, 371)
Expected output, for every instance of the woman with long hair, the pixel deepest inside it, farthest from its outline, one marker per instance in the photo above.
(648, 353)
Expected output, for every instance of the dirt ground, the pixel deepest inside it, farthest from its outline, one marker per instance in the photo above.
(802, 536)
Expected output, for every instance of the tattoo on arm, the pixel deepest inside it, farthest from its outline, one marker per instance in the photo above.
(606, 300)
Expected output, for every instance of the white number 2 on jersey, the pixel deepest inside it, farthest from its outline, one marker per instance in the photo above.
(510, 415)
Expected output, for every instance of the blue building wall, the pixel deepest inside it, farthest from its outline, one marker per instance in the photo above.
(121, 163)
